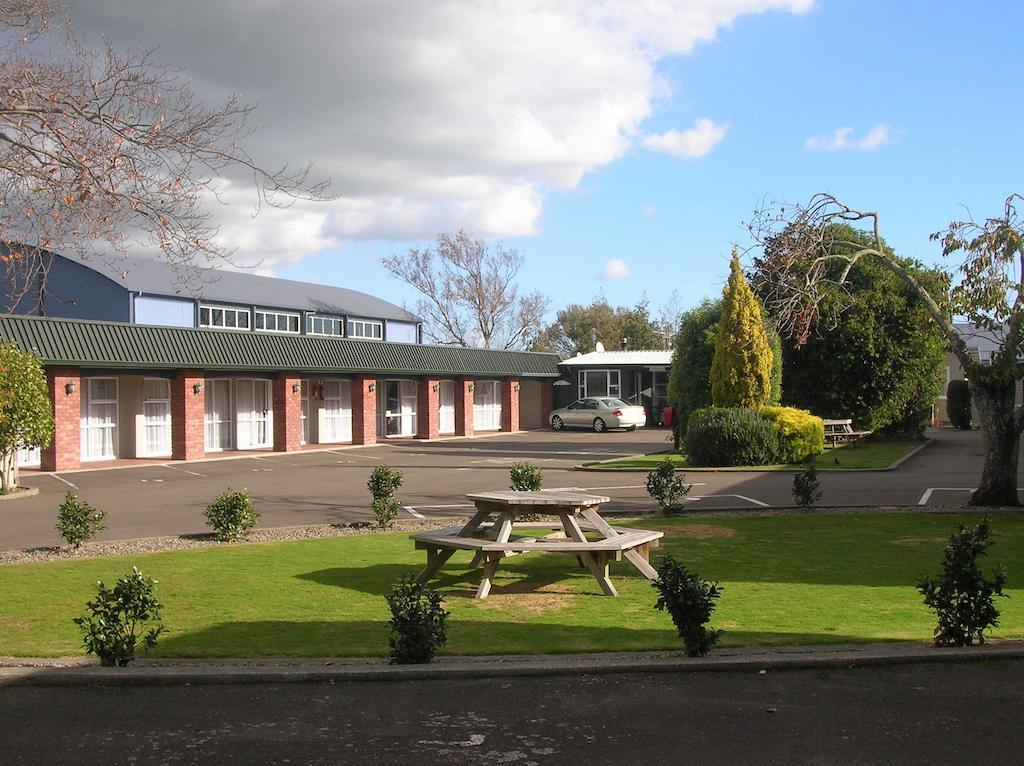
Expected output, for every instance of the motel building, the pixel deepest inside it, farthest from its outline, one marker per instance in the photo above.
(139, 368)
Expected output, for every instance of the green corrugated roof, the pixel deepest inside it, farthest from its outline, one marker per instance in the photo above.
(114, 345)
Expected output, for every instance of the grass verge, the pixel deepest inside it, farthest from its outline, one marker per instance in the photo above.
(787, 580)
(875, 454)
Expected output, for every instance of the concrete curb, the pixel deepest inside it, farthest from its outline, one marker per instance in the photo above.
(20, 493)
(79, 672)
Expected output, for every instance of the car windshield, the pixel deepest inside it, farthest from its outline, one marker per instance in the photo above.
(613, 403)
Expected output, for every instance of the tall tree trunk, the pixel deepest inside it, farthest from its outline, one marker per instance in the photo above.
(994, 406)
(8, 471)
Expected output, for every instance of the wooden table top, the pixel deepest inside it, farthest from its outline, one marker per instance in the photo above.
(560, 498)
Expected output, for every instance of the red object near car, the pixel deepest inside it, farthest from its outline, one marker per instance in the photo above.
(667, 414)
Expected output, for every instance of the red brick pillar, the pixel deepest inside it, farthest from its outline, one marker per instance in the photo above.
(547, 401)
(287, 412)
(364, 410)
(464, 407)
(188, 414)
(510, 405)
(64, 451)
(428, 403)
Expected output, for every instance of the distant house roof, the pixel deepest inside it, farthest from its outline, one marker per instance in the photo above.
(620, 358)
(157, 278)
(111, 345)
(982, 344)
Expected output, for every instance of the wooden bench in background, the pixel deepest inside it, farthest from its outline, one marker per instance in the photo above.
(837, 431)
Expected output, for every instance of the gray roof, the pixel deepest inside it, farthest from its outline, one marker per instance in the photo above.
(158, 279)
(115, 345)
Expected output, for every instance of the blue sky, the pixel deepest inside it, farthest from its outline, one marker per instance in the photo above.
(938, 81)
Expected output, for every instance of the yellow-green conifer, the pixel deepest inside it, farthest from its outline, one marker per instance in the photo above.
(741, 370)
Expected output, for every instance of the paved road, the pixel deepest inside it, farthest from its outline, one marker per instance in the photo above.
(912, 714)
(330, 487)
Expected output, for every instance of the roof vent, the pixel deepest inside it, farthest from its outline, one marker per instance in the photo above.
(625, 344)
(599, 348)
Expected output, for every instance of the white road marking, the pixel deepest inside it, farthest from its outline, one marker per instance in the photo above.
(413, 512)
(739, 497)
(273, 460)
(449, 505)
(58, 478)
(623, 486)
(175, 468)
(153, 480)
(347, 453)
(928, 492)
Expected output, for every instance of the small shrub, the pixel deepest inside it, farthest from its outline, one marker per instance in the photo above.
(526, 478)
(801, 434)
(958, 404)
(962, 597)
(77, 521)
(719, 436)
(383, 483)
(116, 618)
(669, 489)
(418, 622)
(690, 602)
(232, 515)
(806, 487)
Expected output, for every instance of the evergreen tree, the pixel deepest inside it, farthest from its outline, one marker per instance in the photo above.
(741, 371)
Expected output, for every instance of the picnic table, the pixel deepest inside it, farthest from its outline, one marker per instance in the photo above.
(842, 431)
(579, 531)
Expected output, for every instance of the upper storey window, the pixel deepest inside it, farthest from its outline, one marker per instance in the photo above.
(226, 317)
(318, 325)
(277, 321)
(365, 328)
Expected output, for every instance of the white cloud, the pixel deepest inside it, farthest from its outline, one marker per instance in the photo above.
(689, 144)
(844, 139)
(650, 210)
(616, 270)
(426, 116)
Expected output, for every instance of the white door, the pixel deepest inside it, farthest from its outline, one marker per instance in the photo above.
(218, 415)
(446, 408)
(337, 411)
(156, 416)
(253, 408)
(486, 406)
(408, 408)
(99, 418)
(29, 456)
(304, 395)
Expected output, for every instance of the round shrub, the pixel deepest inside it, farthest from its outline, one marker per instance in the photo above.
(232, 515)
(958, 404)
(725, 436)
(801, 434)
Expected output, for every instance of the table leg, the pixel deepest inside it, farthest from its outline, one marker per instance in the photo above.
(490, 569)
(589, 560)
(436, 557)
(632, 556)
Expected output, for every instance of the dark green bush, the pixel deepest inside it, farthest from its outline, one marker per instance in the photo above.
(116, 616)
(232, 515)
(383, 483)
(77, 521)
(806, 487)
(801, 434)
(526, 478)
(669, 489)
(690, 602)
(418, 622)
(721, 436)
(958, 404)
(962, 597)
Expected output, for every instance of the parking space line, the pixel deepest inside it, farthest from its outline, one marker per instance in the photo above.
(59, 478)
(176, 468)
(739, 497)
(413, 511)
(928, 492)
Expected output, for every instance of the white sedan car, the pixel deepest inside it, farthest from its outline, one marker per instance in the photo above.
(599, 413)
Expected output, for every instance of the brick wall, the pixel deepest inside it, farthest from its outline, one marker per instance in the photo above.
(428, 402)
(364, 410)
(464, 407)
(65, 451)
(510, 405)
(188, 412)
(287, 412)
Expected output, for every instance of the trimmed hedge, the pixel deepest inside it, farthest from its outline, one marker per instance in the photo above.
(958, 404)
(801, 434)
(731, 436)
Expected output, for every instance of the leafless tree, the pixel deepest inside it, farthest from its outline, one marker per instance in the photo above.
(805, 257)
(470, 296)
(100, 150)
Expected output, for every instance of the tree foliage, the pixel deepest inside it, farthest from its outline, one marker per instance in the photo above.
(578, 328)
(689, 382)
(99, 149)
(469, 296)
(741, 369)
(26, 419)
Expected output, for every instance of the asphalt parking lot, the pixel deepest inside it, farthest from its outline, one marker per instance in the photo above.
(329, 487)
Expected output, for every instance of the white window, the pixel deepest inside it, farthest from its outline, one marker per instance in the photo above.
(318, 325)
(254, 414)
(396, 408)
(156, 416)
(337, 411)
(599, 383)
(365, 328)
(29, 456)
(486, 405)
(276, 321)
(218, 418)
(226, 317)
(99, 418)
(304, 395)
(446, 408)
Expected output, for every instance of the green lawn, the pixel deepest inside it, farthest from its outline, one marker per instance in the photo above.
(787, 579)
(873, 454)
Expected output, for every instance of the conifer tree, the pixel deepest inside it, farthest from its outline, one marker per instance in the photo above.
(741, 370)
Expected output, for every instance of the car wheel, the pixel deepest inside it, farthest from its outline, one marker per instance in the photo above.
(631, 428)
(599, 425)
(556, 423)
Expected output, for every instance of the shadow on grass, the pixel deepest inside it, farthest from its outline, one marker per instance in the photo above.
(369, 638)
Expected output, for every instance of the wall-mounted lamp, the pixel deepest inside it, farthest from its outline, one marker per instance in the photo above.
(69, 387)
(296, 387)
(372, 387)
(515, 387)
(436, 387)
(197, 388)
(472, 386)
